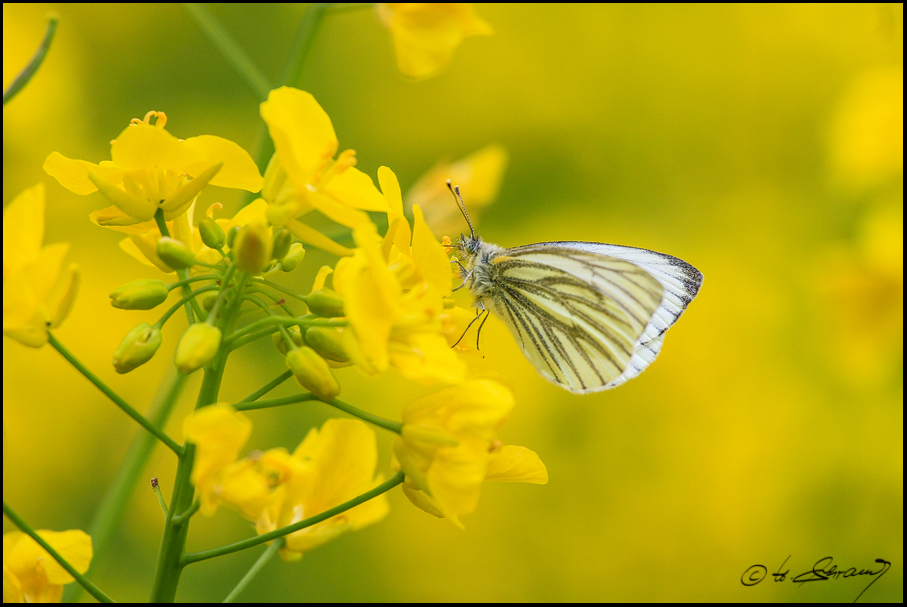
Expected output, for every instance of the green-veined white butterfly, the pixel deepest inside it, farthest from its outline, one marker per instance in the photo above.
(588, 316)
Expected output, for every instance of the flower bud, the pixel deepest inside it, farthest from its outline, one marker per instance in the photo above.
(252, 248)
(142, 294)
(197, 347)
(174, 253)
(293, 258)
(313, 373)
(209, 299)
(137, 348)
(282, 241)
(212, 234)
(325, 303)
(231, 236)
(326, 341)
(281, 344)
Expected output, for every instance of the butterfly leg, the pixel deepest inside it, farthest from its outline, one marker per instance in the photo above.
(463, 272)
(481, 324)
(471, 322)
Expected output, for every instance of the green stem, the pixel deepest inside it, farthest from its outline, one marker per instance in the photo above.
(110, 511)
(230, 49)
(176, 527)
(286, 321)
(381, 422)
(160, 498)
(365, 415)
(37, 59)
(194, 557)
(26, 528)
(122, 404)
(192, 304)
(268, 387)
(291, 75)
(266, 556)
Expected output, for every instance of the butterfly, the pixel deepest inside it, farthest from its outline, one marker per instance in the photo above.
(589, 316)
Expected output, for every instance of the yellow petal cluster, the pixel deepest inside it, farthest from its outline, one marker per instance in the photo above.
(276, 488)
(31, 575)
(31, 273)
(304, 176)
(393, 292)
(449, 447)
(150, 169)
(426, 34)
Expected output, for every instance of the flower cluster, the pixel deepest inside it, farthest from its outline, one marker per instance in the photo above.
(389, 306)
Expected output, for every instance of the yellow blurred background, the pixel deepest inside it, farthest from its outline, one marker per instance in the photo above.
(763, 144)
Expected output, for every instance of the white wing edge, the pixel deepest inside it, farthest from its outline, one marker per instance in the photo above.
(681, 282)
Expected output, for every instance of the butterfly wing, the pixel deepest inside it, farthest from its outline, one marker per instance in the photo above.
(590, 316)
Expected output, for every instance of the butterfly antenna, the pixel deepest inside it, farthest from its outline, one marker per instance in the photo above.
(455, 190)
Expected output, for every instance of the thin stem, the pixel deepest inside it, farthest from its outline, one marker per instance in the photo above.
(110, 511)
(155, 486)
(291, 75)
(365, 415)
(176, 528)
(270, 321)
(192, 305)
(122, 404)
(194, 557)
(230, 49)
(268, 387)
(26, 528)
(275, 402)
(266, 556)
(37, 59)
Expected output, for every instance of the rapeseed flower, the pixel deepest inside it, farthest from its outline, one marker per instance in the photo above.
(150, 169)
(426, 34)
(449, 447)
(31, 273)
(31, 575)
(304, 176)
(394, 294)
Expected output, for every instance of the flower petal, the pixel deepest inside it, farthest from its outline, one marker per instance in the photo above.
(239, 170)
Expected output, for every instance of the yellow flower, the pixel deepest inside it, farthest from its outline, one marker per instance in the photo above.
(275, 489)
(333, 466)
(150, 169)
(304, 176)
(479, 177)
(448, 447)
(31, 575)
(31, 272)
(426, 34)
(219, 432)
(393, 298)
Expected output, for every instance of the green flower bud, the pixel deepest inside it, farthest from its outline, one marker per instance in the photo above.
(326, 341)
(231, 236)
(209, 299)
(282, 241)
(252, 248)
(293, 258)
(325, 303)
(212, 234)
(142, 294)
(295, 334)
(137, 348)
(197, 347)
(313, 373)
(174, 253)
